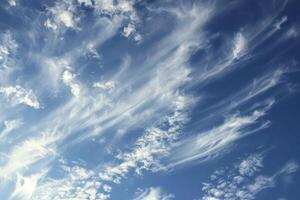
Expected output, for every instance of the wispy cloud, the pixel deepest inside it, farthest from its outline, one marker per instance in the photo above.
(152, 193)
(27, 153)
(9, 125)
(213, 142)
(138, 98)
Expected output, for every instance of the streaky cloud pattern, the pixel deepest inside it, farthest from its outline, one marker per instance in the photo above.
(149, 100)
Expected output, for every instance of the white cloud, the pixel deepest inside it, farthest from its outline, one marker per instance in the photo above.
(77, 183)
(112, 8)
(122, 8)
(152, 193)
(154, 144)
(8, 46)
(240, 45)
(107, 188)
(61, 16)
(213, 142)
(66, 18)
(109, 85)
(25, 186)
(69, 79)
(251, 165)
(130, 31)
(279, 23)
(244, 181)
(23, 156)
(19, 95)
(49, 24)
(12, 2)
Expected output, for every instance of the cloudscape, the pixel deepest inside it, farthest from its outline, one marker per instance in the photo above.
(149, 99)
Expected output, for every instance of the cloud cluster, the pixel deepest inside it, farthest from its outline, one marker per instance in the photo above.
(19, 95)
(244, 181)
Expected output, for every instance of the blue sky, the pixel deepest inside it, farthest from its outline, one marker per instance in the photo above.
(149, 100)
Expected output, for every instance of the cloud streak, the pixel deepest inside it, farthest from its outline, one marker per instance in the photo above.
(125, 88)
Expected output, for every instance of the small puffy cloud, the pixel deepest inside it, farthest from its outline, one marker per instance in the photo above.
(129, 31)
(62, 15)
(123, 8)
(239, 46)
(107, 188)
(66, 18)
(109, 85)
(75, 89)
(12, 2)
(114, 7)
(250, 165)
(68, 78)
(292, 32)
(76, 183)
(244, 181)
(50, 24)
(19, 95)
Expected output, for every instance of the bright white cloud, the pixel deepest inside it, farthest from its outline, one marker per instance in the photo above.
(23, 155)
(69, 79)
(12, 2)
(25, 186)
(240, 45)
(245, 181)
(66, 18)
(130, 31)
(62, 15)
(153, 193)
(19, 95)
(250, 165)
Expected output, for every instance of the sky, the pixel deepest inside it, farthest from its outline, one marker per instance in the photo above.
(149, 99)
